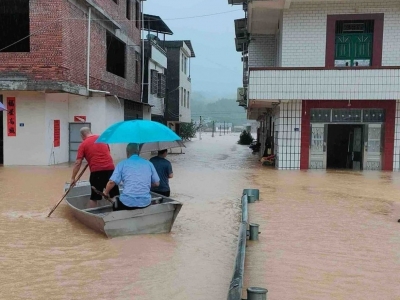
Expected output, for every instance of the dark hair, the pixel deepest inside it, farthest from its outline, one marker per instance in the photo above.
(161, 152)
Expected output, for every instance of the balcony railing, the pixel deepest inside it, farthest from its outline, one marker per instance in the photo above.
(325, 84)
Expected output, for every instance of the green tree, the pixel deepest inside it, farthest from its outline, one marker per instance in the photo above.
(245, 138)
(187, 131)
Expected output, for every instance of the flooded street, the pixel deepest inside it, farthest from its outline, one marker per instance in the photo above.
(324, 235)
(58, 258)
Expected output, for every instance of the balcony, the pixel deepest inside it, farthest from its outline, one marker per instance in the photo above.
(271, 84)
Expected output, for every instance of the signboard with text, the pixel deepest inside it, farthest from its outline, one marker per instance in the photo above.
(11, 117)
(57, 134)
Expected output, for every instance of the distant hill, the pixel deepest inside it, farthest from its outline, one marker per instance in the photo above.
(218, 110)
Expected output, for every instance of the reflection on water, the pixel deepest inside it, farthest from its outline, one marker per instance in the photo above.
(326, 235)
(58, 258)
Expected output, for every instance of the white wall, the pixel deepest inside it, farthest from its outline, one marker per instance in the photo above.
(184, 111)
(304, 30)
(288, 141)
(56, 108)
(158, 108)
(262, 51)
(28, 146)
(33, 144)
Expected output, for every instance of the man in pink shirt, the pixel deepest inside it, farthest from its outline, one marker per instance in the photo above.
(100, 162)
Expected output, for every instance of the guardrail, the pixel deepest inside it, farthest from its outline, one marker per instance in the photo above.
(236, 285)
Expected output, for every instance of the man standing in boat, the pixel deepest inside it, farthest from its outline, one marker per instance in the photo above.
(164, 171)
(138, 176)
(100, 162)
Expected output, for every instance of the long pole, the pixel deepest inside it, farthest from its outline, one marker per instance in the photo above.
(200, 128)
(224, 127)
(213, 128)
(69, 189)
(220, 128)
(142, 36)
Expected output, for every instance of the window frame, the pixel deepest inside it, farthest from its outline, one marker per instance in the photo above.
(378, 19)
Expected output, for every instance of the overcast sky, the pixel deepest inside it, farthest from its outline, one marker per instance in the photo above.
(216, 70)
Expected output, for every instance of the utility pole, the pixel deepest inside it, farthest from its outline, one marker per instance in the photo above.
(166, 107)
(224, 127)
(220, 128)
(200, 128)
(213, 128)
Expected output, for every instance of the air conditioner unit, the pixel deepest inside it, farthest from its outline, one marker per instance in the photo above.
(241, 94)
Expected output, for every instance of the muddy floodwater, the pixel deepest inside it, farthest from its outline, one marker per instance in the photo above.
(324, 235)
(58, 258)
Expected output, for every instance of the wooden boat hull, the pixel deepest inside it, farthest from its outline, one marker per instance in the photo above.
(157, 218)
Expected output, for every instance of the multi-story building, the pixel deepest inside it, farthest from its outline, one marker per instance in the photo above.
(66, 63)
(179, 83)
(323, 79)
(155, 66)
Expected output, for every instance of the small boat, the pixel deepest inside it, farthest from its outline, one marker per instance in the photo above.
(157, 218)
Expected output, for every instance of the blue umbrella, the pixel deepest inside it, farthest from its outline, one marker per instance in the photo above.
(2, 107)
(137, 131)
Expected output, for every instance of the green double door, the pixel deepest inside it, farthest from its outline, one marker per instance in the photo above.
(353, 49)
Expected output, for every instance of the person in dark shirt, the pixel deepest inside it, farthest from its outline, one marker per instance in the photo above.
(164, 170)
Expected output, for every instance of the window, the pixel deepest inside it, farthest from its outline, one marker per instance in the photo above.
(115, 55)
(181, 96)
(128, 9)
(161, 85)
(353, 43)
(154, 82)
(186, 64)
(137, 67)
(188, 106)
(182, 62)
(184, 98)
(14, 24)
(137, 14)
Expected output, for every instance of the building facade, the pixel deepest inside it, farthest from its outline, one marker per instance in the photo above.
(66, 63)
(323, 80)
(155, 66)
(179, 83)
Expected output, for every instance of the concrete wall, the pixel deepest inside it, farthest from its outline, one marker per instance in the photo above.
(185, 114)
(304, 30)
(34, 142)
(28, 147)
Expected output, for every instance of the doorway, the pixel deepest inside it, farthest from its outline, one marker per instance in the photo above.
(75, 138)
(345, 146)
(1, 134)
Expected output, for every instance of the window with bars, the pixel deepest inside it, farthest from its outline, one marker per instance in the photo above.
(128, 9)
(154, 82)
(161, 85)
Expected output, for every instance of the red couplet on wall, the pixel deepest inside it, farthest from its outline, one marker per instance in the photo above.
(57, 133)
(11, 117)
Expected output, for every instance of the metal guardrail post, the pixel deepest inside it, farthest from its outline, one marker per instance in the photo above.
(256, 293)
(254, 231)
(253, 193)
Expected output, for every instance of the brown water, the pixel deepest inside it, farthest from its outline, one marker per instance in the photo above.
(326, 235)
(58, 258)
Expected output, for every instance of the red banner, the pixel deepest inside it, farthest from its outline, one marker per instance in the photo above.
(57, 134)
(11, 117)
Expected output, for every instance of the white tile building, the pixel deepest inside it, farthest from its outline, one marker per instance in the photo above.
(323, 79)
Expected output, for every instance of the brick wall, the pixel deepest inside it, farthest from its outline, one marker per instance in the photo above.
(304, 30)
(262, 50)
(59, 46)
